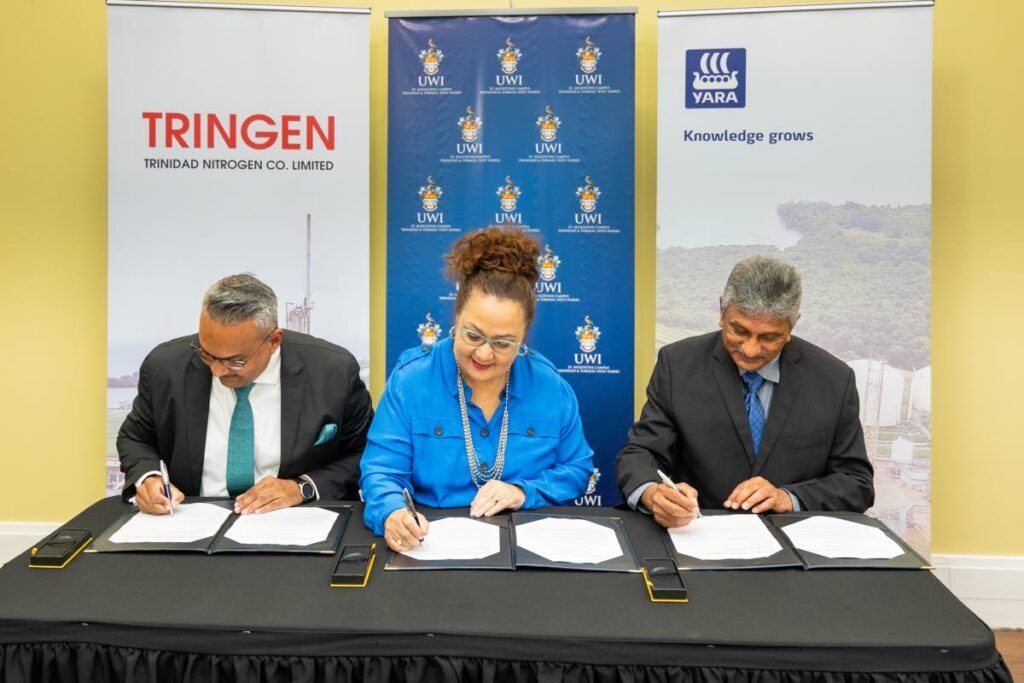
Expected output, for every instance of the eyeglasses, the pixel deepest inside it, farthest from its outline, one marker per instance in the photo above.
(502, 347)
(229, 363)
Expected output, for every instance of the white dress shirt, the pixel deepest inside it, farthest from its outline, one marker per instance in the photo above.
(265, 399)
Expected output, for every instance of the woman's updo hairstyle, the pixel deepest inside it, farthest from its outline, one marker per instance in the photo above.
(501, 262)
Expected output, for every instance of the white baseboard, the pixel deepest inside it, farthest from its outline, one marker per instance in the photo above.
(990, 585)
(17, 537)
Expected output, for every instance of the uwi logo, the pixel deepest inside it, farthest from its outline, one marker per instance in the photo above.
(509, 57)
(508, 198)
(547, 126)
(547, 265)
(716, 79)
(431, 60)
(589, 498)
(587, 195)
(469, 128)
(587, 335)
(588, 56)
(430, 197)
(429, 331)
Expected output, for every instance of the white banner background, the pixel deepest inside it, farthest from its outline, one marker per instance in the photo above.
(175, 231)
(851, 207)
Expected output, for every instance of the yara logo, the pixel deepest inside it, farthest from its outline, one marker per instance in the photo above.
(718, 78)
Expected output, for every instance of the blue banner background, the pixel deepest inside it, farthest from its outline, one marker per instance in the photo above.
(593, 100)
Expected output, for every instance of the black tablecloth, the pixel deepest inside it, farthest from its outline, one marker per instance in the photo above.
(177, 616)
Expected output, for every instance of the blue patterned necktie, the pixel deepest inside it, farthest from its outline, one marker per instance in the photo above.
(755, 411)
(241, 447)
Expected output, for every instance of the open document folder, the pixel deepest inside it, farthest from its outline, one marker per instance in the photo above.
(459, 542)
(212, 527)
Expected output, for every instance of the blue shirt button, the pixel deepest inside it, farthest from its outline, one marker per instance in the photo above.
(484, 467)
(485, 432)
(438, 431)
(530, 431)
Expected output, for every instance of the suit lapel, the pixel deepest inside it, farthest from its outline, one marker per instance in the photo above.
(291, 401)
(727, 377)
(197, 412)
(790, 377)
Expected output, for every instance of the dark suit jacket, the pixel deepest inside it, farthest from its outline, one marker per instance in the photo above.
(320, 385)
(695, 429)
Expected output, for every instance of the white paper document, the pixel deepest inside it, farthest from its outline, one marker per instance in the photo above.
(288, 526)
(569, 540)
(725, 537)
(190, 522)
(841, 538)
(458, 538)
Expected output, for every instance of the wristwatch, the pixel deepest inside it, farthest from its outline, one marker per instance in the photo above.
(306, 490)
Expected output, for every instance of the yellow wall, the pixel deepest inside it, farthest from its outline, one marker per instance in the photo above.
(53, 253)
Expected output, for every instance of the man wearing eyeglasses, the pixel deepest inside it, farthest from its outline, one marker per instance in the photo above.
(244, 409)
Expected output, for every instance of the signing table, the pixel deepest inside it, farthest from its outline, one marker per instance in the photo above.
(177, 616)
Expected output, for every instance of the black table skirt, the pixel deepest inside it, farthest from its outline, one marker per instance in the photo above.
(90, 662)
(181, 617)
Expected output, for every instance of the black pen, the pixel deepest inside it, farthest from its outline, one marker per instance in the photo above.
(412, 509)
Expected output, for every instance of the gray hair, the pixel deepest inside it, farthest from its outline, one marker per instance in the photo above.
(761, 285)
(242, 297)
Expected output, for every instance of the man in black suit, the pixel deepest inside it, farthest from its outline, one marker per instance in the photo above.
(285, 421)
(749, 418)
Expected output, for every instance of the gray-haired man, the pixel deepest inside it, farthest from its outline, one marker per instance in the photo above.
(285, 421)
(750, 418)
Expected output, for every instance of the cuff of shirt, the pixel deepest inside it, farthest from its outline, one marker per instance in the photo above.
(316, 491)
(794, 500)
(141, 479)
(638, 492)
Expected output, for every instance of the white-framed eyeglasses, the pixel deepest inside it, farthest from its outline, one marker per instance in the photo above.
(500, 346)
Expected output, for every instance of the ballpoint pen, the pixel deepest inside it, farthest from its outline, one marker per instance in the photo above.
(411, 508)
(167, 485)
(669, 482)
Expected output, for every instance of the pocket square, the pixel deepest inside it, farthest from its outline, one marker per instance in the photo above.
(326, 434)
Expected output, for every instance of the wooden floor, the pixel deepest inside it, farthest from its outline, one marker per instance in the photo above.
(1011, 647)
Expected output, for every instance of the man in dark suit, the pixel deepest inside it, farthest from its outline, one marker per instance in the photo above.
(245, 409)
(749, 418)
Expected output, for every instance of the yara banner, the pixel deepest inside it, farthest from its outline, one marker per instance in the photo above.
(521, 121)
(805, 134)
(238, 143)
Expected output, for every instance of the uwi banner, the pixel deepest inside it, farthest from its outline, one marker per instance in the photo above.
(238, 142)
(521, 121)
(806, 135)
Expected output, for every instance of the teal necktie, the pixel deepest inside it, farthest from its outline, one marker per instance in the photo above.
(241, 451)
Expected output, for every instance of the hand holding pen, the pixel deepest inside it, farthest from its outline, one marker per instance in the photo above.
(167, 486)
(155, 495)
(672, 505)
(405, 528)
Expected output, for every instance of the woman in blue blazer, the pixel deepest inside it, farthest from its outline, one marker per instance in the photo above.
(476, 419)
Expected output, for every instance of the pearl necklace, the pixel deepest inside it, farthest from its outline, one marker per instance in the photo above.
(482, 477)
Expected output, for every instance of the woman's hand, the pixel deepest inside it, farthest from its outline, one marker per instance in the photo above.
(401, 532)
(495, 496)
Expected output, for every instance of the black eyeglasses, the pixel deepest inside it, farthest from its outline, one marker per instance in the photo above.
(233, 363)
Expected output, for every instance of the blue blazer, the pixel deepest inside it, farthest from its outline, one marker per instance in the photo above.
(416, 440)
